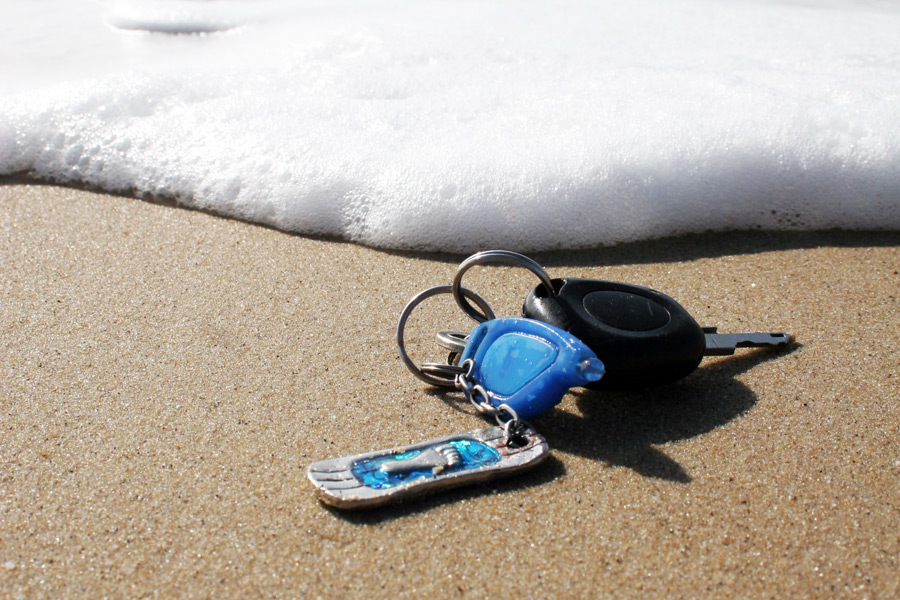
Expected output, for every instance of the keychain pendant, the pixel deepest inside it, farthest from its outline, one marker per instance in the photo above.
(385, 476)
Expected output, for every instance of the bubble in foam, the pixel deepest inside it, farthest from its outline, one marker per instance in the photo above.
(177, 17)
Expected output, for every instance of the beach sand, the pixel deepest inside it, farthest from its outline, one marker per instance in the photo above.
(168, 376)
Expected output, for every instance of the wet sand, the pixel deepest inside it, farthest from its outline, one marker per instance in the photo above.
(168, 376)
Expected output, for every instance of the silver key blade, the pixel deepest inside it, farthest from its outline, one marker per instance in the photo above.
(724, 344)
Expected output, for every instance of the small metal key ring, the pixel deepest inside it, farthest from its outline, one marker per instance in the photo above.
(494, 257)
(404, 317)
(453, 341)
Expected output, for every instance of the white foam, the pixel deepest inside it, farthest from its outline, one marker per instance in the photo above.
(462, 125)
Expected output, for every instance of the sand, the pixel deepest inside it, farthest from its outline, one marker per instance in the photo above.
(167, 376)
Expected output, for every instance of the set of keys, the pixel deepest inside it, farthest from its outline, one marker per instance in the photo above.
(574, 332)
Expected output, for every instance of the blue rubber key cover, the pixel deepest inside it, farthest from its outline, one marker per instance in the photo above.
(527, 364)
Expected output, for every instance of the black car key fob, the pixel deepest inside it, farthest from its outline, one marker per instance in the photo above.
(643, 336)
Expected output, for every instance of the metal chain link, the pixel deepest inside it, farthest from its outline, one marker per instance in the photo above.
(504, 414)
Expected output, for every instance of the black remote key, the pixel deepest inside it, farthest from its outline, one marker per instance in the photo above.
(643, 337)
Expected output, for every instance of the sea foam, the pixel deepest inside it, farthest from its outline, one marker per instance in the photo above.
(444, 125)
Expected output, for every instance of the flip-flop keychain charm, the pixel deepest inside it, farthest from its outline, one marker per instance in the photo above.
(385, 476)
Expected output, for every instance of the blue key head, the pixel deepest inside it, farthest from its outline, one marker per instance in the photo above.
(528, 364)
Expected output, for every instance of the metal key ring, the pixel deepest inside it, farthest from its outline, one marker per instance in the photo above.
(492, 257)
(404, 317)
